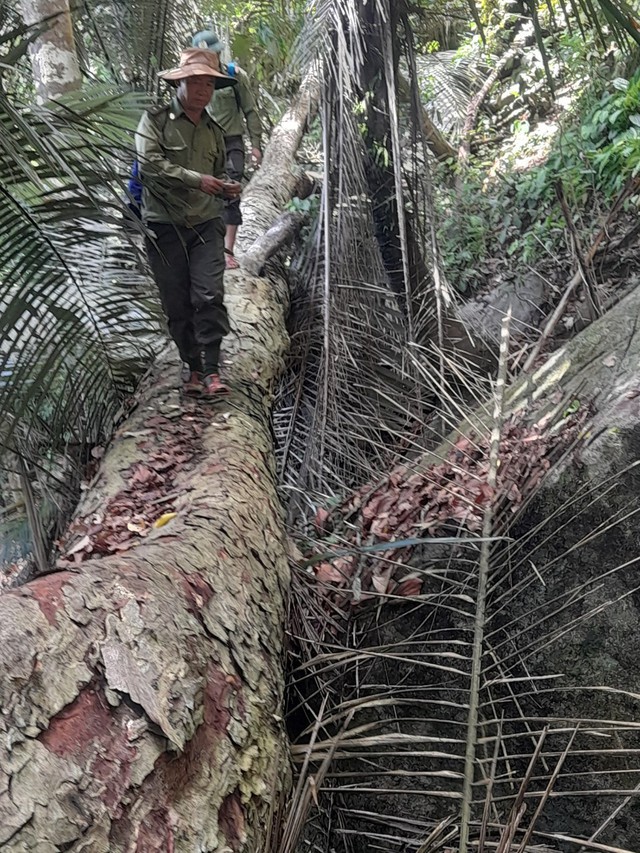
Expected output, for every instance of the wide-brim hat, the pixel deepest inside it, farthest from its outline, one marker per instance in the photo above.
(198, 62)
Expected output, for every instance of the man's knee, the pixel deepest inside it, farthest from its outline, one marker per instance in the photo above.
(208, 298)
(171, 274)
(207, 268)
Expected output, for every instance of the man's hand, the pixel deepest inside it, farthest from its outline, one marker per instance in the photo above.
(211, 185)
(256, 156)
(231, 189)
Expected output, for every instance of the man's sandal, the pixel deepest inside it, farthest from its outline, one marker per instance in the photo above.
(192, 384)
(230, 261)
(213, 386)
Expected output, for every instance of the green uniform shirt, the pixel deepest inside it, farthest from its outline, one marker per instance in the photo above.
(228, 111)
(173, 153)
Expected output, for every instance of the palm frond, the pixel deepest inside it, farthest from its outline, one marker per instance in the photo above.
(556, 760)
(447, 83)
(354, 373)
(78, 321)
(129, 42)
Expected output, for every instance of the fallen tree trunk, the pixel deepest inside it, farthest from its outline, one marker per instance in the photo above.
(438, 144)
(141, 685)
(464, 149)
(274, 184)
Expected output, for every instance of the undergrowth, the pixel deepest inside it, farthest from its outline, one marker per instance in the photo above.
(511, 209)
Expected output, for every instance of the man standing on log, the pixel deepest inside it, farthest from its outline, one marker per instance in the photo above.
(181, 152)
(233, 109)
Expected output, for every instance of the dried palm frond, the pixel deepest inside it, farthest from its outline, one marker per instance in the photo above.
(353, 368)
(566, 749)
(447, 84)
(471, 702)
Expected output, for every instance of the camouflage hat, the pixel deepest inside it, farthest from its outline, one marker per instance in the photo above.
(208, 40)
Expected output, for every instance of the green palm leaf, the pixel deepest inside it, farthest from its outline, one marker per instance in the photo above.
(129, 42)
(78, 321)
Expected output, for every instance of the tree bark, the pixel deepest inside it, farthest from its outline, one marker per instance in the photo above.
(276, 181)
(53, 52)
(141, 691)
(282, 232)
(288, 223)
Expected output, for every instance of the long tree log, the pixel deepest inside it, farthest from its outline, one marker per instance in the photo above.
(473, 108)
(274, 184)
(141, 691)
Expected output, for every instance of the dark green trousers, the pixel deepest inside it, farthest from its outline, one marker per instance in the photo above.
(188, 268)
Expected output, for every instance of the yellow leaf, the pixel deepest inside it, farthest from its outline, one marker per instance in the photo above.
(164, 519)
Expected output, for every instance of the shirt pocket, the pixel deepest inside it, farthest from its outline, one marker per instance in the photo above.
(212, 158)
(206, 158)
(175, 146)
(176, 152)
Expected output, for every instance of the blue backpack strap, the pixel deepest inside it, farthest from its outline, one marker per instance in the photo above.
(133, 184)
(134, 189)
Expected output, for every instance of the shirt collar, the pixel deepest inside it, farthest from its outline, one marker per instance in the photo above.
(177, 109)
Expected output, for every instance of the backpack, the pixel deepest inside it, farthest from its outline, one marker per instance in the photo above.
(134, 190)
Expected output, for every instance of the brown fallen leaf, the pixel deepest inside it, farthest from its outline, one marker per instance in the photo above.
(79, 546)
(321, 520)
(157, 421)
(380, 583)
(141, 474)
(326, 573)
(409, 587)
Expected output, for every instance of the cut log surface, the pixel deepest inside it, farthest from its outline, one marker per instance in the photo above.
(141, 690)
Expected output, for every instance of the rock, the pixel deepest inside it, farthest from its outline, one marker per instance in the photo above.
(483, 318)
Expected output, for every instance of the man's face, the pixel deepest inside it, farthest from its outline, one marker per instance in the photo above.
(196, 92)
